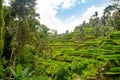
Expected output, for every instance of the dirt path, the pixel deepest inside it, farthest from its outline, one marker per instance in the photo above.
(78, 77)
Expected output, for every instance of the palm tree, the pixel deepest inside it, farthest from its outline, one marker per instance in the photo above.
(115, 10)
(21, 12)
(116, 21)
(115, 1)
(94, 21)
(110, 8)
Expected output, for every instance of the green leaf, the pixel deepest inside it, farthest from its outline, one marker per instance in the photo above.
(115, 69)
(19, 70)
(25, 72)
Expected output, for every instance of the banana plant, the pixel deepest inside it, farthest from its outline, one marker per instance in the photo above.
(19, 73)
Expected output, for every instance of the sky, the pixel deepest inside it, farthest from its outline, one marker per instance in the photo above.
(62, 15)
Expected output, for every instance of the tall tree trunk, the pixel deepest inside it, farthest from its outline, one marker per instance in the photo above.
(1, 27)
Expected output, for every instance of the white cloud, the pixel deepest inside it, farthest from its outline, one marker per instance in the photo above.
(91, 11)
(48, 11)
(68, 3)
(83, 1)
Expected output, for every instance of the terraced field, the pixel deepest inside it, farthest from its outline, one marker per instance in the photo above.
(93, 58)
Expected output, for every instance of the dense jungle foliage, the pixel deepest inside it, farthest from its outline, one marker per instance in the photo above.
(28, 51)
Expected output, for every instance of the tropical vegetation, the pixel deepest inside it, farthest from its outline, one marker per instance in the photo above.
(28, 51)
